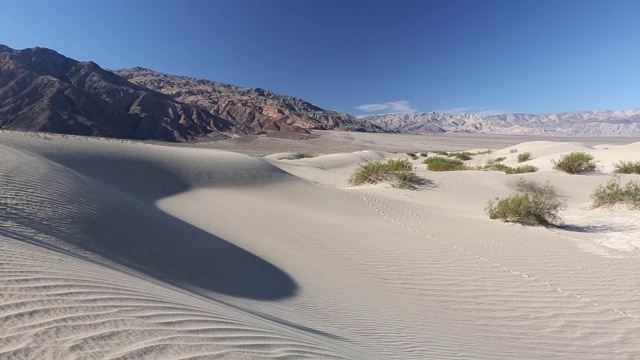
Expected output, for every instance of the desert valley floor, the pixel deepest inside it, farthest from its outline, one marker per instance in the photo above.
(115, 249)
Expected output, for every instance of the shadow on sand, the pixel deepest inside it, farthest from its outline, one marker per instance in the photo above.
(590, 228)
(117, 220)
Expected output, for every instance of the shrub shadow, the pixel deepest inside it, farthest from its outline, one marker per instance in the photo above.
(590, 228)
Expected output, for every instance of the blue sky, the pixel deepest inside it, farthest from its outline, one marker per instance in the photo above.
(362, 57)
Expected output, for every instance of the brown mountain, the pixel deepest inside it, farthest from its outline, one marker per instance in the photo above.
(41, 90)
(250, 109)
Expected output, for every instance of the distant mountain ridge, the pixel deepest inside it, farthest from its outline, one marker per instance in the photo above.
(582, 123)
(42, 90)
(250, 109)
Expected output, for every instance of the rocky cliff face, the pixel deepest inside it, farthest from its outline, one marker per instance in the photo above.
(250, 109)
(41, 90)
(582, 123)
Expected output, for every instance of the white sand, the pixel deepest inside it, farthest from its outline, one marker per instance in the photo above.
(116, 249)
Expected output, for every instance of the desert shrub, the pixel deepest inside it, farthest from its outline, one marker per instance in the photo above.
(613, 193)
(399, 165)
(371, 172)
(538, 205)
(513, 151)
(297, 156)
(522, 157)
(575, 163)
(627, 167)
(520, 169)
(531, 186)
(412, 155)
(494, 164)
(423, 154)
(485, 152)
(496, 167)
(397, 172)
(439, 163)
(465, 155)
(500, 159)
(404, 179)
(442, 153)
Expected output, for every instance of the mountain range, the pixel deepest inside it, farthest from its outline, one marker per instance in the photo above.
(579, 123)
(42, 90)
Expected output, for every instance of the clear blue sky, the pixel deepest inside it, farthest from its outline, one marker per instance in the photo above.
(361, 57)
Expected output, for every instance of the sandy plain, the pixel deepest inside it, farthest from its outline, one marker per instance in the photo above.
(116, 249)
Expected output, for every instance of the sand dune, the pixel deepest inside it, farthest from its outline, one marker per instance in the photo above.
(117, 249)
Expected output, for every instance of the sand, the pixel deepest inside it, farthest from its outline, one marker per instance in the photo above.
(120, 249)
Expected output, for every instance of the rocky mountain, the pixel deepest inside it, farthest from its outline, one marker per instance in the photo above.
(582, 123)
(41, 90)
(250, 109)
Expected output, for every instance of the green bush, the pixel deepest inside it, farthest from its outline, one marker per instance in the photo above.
(537, 206)
(613, 193)
(404, 179)
(461, 155)
(520, 169)
(522, 157)
(533, 187)
(412, 155)
(423, 154)
(399, 165)
(627, 167)
(442, 153)
(397, 172)
(439, 163)
(485, 152)
(494, 164)
(576, 163)
(297, 156)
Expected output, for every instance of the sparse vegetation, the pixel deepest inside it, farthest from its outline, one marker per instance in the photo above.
(520, 169)
(412, 155)
(627, 167)
(576, 163)
(532, 187)
(485, 152)
(513, 151)
(442, 153)
(532, 204)
(423, 154)
(495, 164)
(405, 180)
(463, 155)
(439, 163)
(613, 193)
(522, 157)
(297, 156)
(397, 172)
